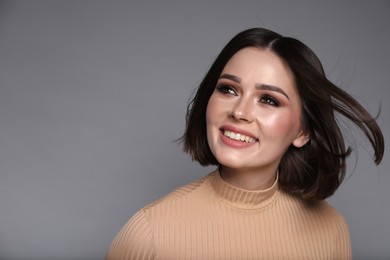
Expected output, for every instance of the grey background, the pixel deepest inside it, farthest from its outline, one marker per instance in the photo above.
(93, 94)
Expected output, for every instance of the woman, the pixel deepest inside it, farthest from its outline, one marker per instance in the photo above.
(265, 115)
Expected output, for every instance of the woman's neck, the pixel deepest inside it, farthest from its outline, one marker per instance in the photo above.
(248, 179)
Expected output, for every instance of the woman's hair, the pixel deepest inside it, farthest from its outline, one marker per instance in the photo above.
(317, 169)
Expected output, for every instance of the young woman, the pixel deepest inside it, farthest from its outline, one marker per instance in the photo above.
(265, 115)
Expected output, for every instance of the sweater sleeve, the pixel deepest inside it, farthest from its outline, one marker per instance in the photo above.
(343, 242)
(134, 240)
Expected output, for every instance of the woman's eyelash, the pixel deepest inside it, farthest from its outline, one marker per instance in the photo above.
(269, 101)
(226, 89)
(265, 99)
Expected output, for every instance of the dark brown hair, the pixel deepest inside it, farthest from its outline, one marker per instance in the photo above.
(317, 169)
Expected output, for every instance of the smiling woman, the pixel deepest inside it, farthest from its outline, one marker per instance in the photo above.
(265, 116)
(255, 97)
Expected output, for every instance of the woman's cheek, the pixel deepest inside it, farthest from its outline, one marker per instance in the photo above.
(280, 124)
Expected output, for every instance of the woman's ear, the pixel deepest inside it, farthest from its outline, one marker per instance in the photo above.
(302, 139)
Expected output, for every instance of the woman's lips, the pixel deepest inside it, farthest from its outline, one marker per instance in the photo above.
(235, 137)
(238, 136)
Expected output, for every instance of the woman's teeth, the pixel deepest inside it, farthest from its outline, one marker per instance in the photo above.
(239, 137)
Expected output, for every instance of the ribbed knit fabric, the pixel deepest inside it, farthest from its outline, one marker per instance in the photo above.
(210, 219)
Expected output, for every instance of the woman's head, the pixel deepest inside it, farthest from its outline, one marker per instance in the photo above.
(317, 168)
(254, 114)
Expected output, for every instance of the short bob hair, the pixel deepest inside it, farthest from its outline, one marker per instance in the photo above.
(317, 169)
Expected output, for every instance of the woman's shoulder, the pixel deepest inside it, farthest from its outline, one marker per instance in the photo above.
(178, 194)
(318, 210)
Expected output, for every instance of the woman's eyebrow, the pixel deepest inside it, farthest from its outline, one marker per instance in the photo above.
(231, 77)
(272, 88)
(258, 86)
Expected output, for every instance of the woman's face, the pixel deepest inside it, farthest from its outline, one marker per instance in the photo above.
(253, 115)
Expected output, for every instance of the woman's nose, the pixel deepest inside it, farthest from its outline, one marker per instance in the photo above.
(243, 111)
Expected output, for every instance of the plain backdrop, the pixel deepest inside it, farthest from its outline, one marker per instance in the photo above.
(94, 93)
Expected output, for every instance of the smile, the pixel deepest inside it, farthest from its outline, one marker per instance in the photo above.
(238, 137)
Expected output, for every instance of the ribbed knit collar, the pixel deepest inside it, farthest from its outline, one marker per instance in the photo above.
(240, 198)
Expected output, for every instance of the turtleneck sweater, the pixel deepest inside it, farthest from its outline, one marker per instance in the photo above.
(210, 219)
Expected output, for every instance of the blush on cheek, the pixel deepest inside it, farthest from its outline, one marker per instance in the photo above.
(282, 125)
(212, 105)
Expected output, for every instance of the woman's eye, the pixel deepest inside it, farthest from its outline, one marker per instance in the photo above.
(226, 89)
(269, 101)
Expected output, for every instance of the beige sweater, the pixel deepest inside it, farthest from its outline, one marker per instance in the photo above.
(210, 219)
